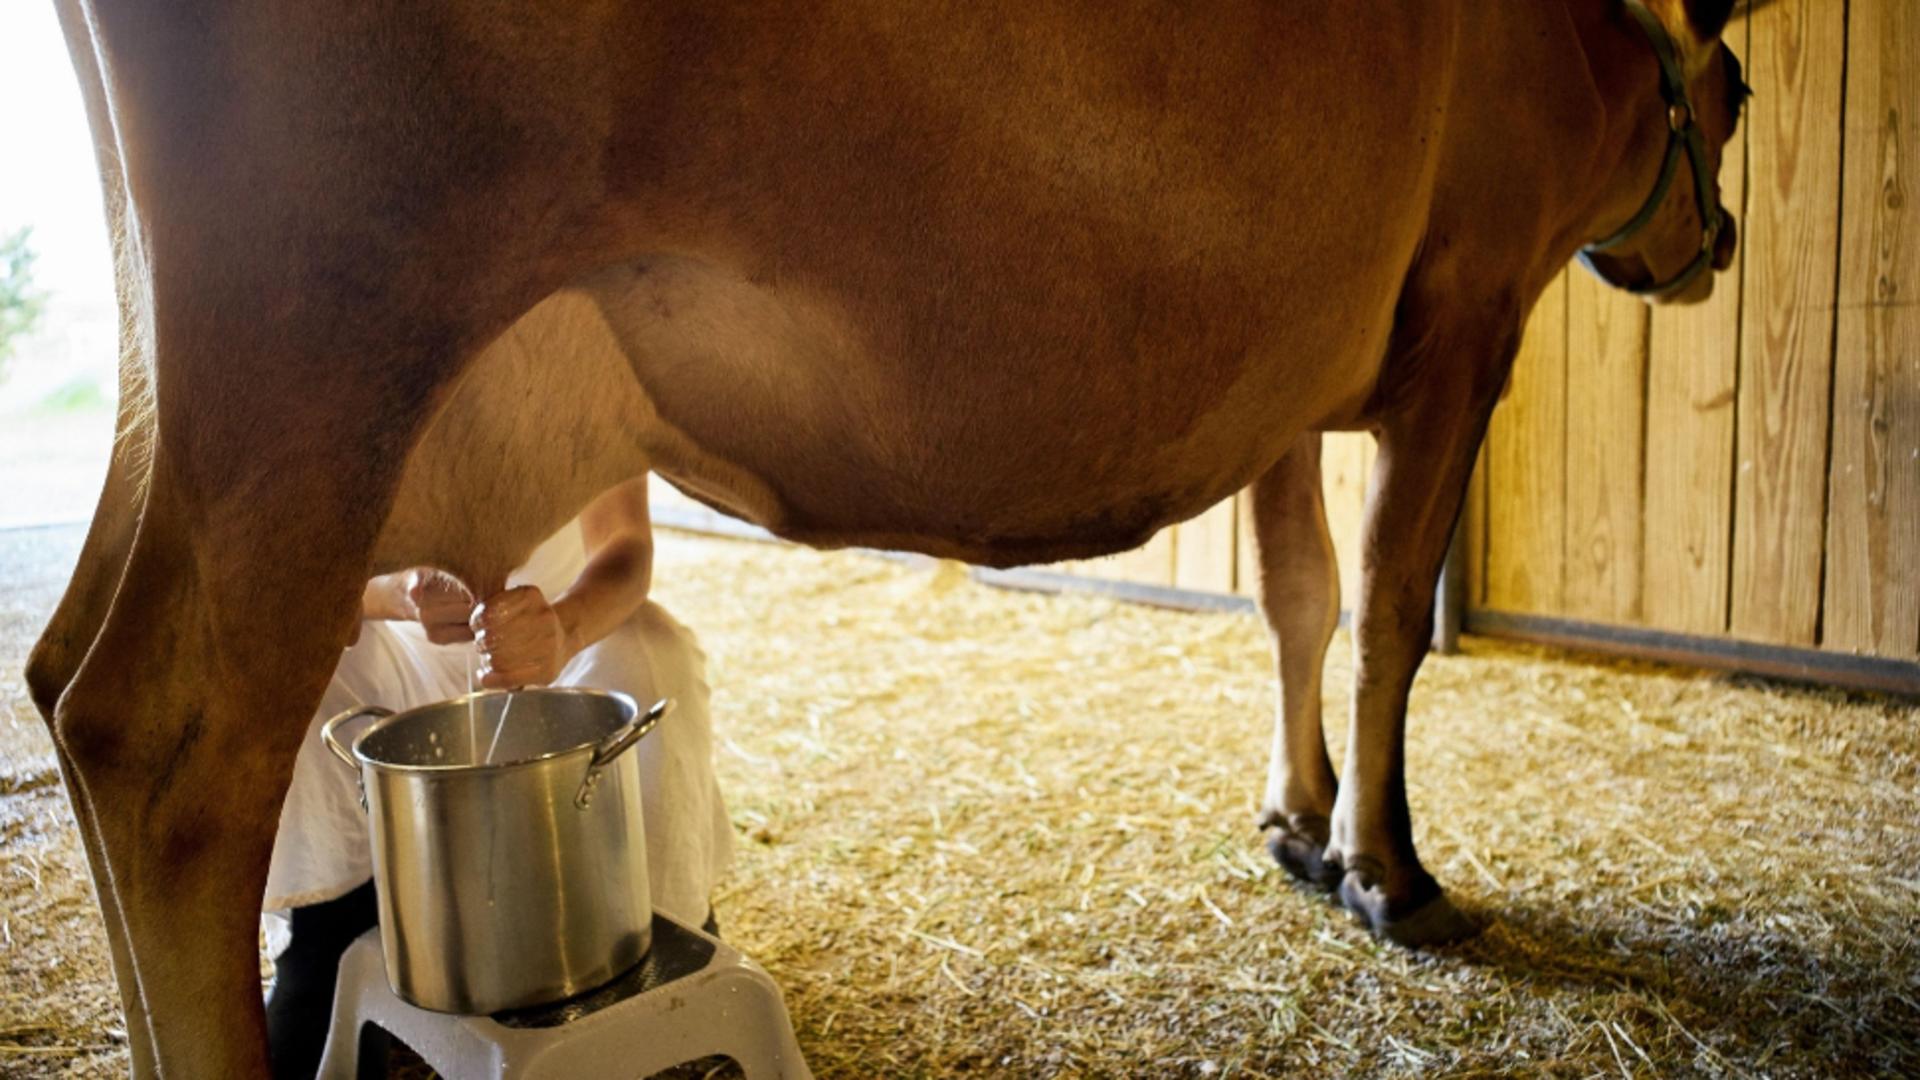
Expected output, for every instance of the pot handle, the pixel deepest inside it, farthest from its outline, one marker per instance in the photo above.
(330, 732)
(616, 744)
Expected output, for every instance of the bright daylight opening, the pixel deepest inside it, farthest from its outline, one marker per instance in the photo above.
(57, 319)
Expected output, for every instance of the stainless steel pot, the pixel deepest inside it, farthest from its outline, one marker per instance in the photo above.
(509, 857)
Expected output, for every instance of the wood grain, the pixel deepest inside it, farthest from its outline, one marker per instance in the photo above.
(1204, 550)
(1526, 468)
(1872, 601)
(1693, 372)
(1346, 463)
(1149, 564)
(1474, 516)
(1246, 570)
(1797, 53)
(1606, 387)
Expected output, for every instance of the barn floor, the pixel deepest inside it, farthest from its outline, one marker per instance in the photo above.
(1005, 833)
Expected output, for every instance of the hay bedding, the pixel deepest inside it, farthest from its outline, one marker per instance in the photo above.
(1000, 833)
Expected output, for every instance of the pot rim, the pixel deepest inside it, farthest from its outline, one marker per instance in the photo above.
(620, 697)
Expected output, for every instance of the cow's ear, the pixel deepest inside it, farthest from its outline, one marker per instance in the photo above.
(1694, 25)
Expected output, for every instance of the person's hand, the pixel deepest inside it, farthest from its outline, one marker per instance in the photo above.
(439, 602)
(522, 640)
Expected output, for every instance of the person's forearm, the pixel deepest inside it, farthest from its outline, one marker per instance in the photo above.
(608, 591)
(385, 597)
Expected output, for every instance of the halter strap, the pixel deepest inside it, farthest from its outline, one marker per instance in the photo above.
(1684, 138)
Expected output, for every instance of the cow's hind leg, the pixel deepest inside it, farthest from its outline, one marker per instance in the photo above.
(1300, 597)
(76, 622)
(242, 583)
(182, 725)
(1427, 447)
(312, 291)
(280, 445)
(56, 658)
(63, 644)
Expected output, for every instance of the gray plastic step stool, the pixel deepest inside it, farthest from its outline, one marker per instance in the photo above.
(691, 997)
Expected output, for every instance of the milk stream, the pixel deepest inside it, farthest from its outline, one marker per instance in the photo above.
(499, 726)
(473, 723)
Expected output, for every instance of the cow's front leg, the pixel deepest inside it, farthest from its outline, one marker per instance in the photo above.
(1300, 597)
(1427, 447)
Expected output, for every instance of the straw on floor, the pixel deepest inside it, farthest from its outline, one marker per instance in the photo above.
(1002, 833)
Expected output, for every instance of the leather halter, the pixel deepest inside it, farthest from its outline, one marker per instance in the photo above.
(1683, 135)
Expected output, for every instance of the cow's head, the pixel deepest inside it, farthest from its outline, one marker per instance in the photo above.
(1667, 236)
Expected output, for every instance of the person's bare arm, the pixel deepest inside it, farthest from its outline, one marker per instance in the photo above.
(433, 598)
(423, 594)
(525, 640)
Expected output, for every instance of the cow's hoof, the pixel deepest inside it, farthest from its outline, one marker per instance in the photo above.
(1427, 919)
(1298, 843)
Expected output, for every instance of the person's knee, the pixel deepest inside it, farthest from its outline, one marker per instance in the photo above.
(649, 655)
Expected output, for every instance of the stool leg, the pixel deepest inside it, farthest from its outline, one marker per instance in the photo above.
(375, 1046)
(765, 1045)
(342, 1059)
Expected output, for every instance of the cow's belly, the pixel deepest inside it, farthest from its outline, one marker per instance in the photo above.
(965, 285)
(1009, 286)
(998, 432)
(980, 426)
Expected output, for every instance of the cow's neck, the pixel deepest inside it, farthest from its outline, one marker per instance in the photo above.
(1551, 103)
(1624, 72)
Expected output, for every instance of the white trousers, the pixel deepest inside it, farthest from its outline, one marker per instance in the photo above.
(321, 850)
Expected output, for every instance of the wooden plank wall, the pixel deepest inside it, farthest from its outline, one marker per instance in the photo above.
(1797, 50)
(1872, 599)
(1526, 453)
(1762, 480)
(1215, 551)
(1693, 356)
(1745, 468)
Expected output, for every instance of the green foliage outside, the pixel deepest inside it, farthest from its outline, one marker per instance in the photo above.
(77, 395)
(21, 305)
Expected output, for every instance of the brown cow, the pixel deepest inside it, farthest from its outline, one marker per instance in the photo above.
(1006, 282)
